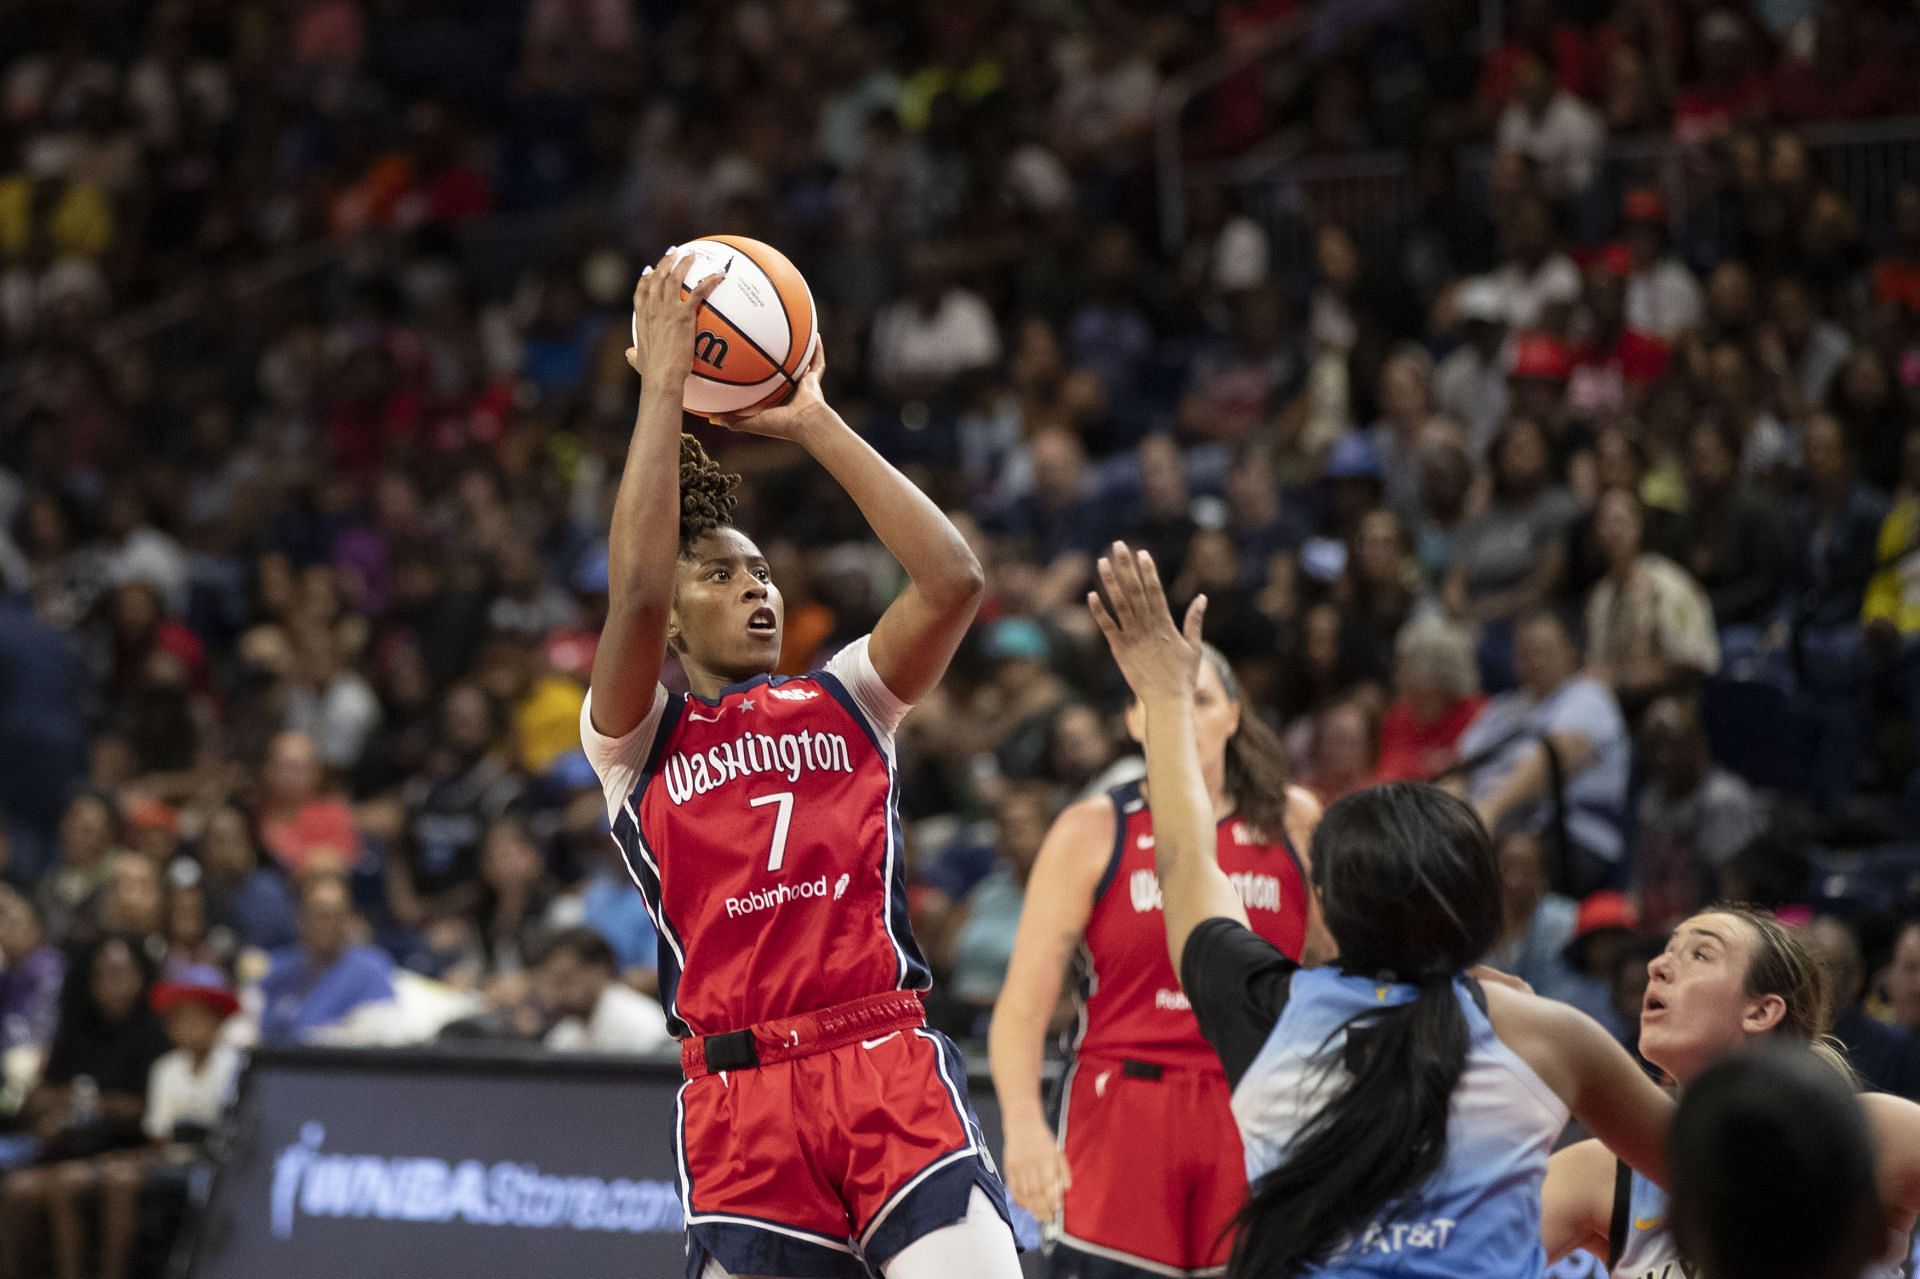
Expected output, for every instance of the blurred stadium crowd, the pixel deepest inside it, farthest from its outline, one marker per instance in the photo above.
(1602, 492)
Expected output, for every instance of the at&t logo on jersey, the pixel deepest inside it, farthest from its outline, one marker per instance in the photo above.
(1257, 892)
(791, 754)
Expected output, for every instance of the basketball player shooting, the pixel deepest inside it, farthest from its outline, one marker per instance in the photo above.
(823, 1129)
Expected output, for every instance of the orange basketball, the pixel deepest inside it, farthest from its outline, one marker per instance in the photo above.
(756, 332)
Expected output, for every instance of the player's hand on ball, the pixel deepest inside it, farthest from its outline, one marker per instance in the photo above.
(1036, 1170)
(785, 421)
(663, 321)
(1157, 659)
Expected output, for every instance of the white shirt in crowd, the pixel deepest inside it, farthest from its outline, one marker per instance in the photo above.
(910, 345)
(179, 1092)
(1564, 141)
(623, 1021)
(1238, 257)
(1525, 295)
(1664, 300)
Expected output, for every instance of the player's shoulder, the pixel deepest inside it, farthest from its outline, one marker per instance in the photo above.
(1088, 815)
(1079, 845)
(1584, 1162)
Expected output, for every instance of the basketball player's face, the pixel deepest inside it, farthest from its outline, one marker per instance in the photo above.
(1697, 1009)
(727, 613)
(1215, 715)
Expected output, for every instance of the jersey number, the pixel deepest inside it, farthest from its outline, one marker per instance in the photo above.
(778, 853)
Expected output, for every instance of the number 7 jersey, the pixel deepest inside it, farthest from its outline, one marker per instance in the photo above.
(762, 829)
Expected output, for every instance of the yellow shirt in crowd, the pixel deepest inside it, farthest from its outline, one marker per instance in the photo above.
(1893, 594)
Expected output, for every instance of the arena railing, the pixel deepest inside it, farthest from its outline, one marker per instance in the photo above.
(1290, 194)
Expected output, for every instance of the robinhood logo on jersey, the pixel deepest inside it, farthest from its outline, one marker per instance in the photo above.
(307, 1183)
(780, 894)
(790, 754)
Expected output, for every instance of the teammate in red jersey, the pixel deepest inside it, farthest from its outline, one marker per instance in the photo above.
(823, 1130)
(1146, 1172)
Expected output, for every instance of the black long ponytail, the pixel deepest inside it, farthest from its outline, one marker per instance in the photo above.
(1410, 891)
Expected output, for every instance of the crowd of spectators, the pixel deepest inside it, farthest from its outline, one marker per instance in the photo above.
(1595, 494)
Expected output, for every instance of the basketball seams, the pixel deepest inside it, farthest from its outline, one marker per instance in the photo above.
(774, 369)
(793, 329)
(791, 300)
(779, 370)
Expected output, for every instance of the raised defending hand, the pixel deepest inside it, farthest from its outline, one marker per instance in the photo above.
(664, 321)
(1157, 660)
(786, 421)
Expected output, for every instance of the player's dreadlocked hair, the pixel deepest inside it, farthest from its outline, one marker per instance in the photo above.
(706, 492)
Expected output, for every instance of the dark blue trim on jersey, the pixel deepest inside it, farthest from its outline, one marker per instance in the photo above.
(1299, 866)
(936, 1203)
(942, 1199)
(669, 720)
(741, 687)
(1066, 1259)
(742, 1249)
(627, 838)
(1121, 796)
(917, 974)
(652, 891)
(841, 694)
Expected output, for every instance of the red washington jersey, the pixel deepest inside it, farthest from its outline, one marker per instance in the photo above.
(761, 828)
(1131, 1004)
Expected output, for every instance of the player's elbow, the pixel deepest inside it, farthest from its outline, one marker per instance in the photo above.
(961, 585)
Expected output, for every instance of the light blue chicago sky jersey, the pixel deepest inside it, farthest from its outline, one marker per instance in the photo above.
(1478, 1216)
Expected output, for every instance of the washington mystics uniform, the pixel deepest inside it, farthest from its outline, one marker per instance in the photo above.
(1146, 1127)
(822, 1127)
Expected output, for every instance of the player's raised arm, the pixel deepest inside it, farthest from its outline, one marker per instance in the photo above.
(644, 540)
(1161, 665)
(917, 635)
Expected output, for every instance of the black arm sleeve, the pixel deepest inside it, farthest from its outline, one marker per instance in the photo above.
(1237, 982)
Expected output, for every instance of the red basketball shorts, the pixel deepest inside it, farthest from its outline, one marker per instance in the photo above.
(1157, 1169)
(849, 1140)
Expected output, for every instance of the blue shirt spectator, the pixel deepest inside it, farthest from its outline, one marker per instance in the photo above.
(30, 980)
(244, 896)
(1513, 782)
(325, 978)
(612, 908)
(43, 736)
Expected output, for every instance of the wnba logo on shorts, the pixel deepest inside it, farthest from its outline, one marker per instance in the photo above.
(711, 348)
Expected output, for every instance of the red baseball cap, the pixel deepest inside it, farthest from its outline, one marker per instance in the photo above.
(1602, 912)
(1605, 910)
(1535, 355)
(169, 995)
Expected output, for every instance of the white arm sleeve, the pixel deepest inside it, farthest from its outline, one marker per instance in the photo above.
(853, 668)
(618, 760)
